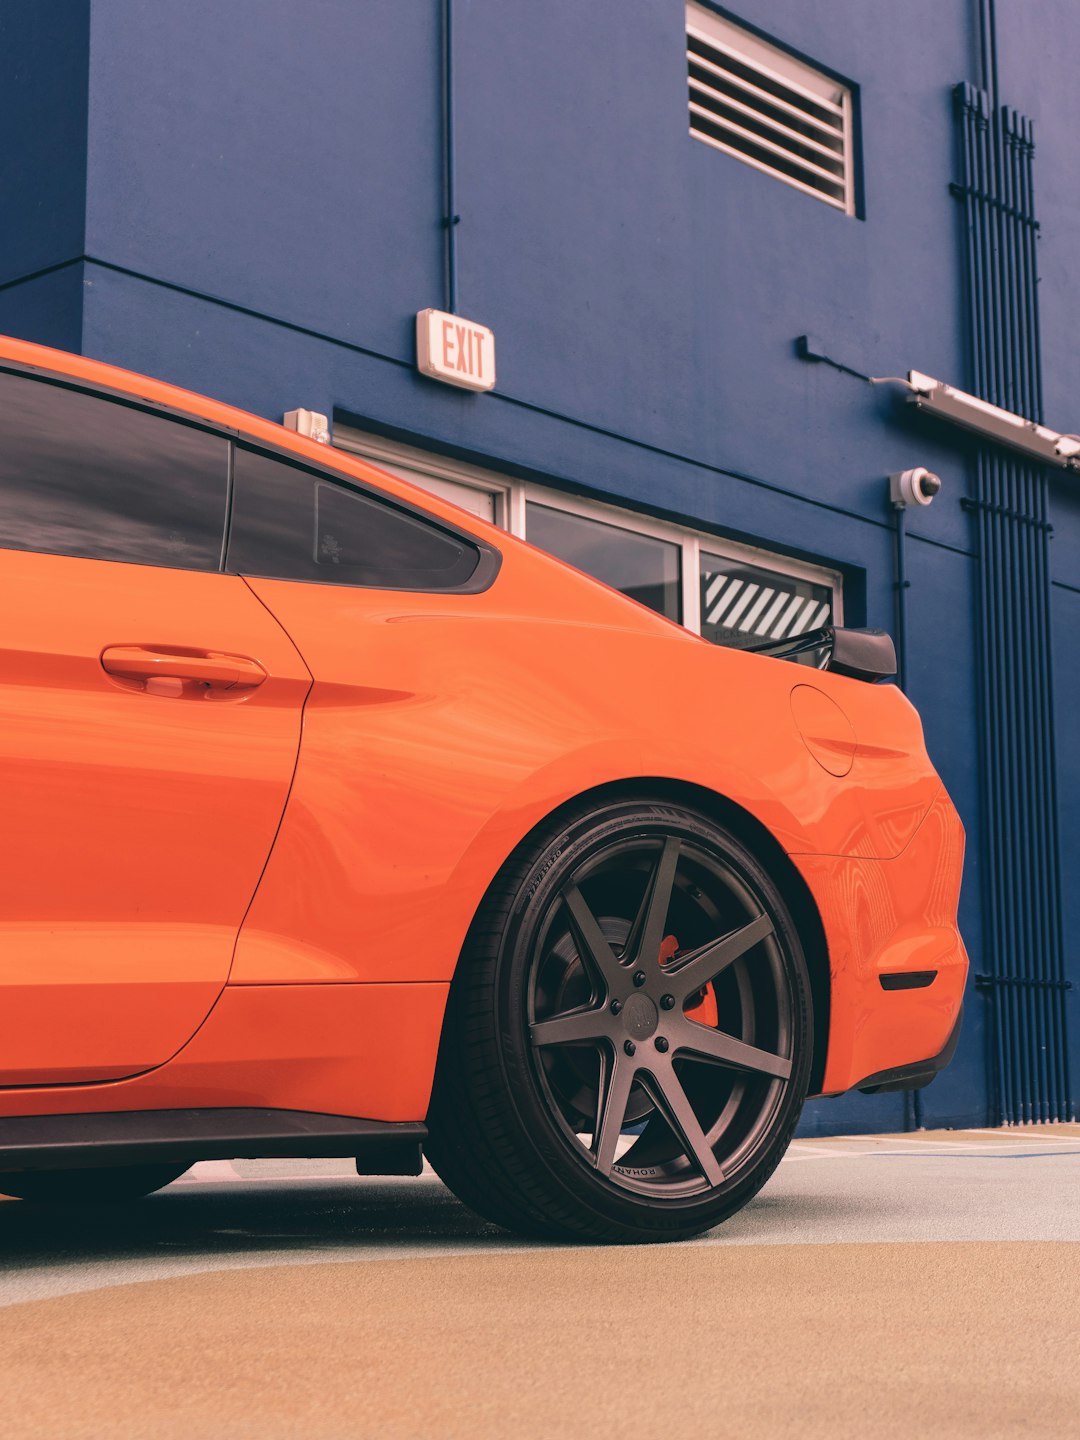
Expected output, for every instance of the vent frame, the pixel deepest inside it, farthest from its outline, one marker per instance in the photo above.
(771, 109)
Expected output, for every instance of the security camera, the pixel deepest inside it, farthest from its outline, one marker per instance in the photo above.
(913, 487)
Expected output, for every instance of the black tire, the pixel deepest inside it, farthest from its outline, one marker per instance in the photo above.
(106, 1186)
(569, 1024)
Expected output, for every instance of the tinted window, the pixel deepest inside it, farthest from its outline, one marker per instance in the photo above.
(292, 525)
(80, 475)
(641, 567)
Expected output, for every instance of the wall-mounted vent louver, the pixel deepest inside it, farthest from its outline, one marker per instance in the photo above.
(753, 100)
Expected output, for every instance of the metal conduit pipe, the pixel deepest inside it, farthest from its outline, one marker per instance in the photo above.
(1024, 484)
(1024, 950)
(913, 1102)
(1052, 975)
(967, 103)
(1003, 878)
(451, 218)
(988, 48)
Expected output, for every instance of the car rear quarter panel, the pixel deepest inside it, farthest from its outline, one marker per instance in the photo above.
(441, 730)
(891, 917)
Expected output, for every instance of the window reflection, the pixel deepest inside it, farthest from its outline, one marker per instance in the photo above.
(641, 567)
(289, 524)
(741, 603)
(81, 475)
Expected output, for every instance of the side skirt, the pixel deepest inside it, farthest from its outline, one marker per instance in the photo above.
(140, 1137)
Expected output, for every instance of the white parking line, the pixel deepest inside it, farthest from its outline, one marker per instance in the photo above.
(1022, 1133)
(842, 1149)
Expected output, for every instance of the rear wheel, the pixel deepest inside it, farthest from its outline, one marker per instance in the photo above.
(627, 1043)
(90, 1187)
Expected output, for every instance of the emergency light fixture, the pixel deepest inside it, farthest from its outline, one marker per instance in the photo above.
(990, 421)
(311, 423)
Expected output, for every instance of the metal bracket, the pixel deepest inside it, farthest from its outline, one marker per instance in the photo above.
(967, 503)
(988, 982)
(967, 192)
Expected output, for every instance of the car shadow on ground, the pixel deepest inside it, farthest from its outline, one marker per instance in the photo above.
(225, 1221)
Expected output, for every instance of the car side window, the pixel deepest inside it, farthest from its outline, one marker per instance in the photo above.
(87, 476)
(289, 523)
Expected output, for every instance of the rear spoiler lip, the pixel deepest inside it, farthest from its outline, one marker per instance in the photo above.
(859, 654)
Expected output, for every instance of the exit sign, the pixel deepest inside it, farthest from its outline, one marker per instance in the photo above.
(457, 351)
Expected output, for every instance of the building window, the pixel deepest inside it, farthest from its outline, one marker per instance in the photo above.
(727, 592)
(641, 566)
(741, 603)
(758, 103)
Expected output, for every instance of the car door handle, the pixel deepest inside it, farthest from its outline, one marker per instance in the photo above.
(181, 672)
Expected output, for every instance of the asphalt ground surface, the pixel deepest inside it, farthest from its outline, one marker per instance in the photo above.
(879, 1286)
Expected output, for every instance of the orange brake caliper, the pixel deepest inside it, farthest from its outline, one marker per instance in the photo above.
(703, 1009)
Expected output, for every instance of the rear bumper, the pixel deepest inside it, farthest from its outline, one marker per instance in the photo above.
(897, 962)
(914, 1076)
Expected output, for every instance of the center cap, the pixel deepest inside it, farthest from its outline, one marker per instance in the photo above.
(640, 1017)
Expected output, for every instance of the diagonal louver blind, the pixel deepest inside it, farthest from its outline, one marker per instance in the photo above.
(741, 603)
(756, 102)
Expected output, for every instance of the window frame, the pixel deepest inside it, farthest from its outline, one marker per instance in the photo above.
(613, 518)
(511, 496)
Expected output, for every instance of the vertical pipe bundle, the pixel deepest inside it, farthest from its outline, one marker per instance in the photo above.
(1024, 952)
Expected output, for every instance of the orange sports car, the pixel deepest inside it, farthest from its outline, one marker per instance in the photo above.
(338, 822)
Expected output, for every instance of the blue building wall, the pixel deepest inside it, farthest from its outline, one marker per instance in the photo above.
(247, 199)
(44, 78)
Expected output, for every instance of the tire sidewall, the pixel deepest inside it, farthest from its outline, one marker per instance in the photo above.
(538, 1129)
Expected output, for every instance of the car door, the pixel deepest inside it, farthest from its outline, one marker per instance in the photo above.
(403, 759)
(149, 726)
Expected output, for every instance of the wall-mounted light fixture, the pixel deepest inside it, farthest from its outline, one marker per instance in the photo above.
(993, 423)
(948, 403)
(311, 423)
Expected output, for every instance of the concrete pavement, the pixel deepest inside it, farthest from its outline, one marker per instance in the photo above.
(883, 1286)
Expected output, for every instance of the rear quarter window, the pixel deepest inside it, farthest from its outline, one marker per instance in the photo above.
(291, 524)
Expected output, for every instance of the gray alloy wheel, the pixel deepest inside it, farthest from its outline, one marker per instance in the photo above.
(627, 1045)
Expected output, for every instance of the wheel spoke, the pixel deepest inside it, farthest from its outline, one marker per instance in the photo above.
(704, 1043)
(595, 952)
(671, 1099)
(616, 1078)
(576, 1027)
(643, 942)
(654, 1099)
(691, 972)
